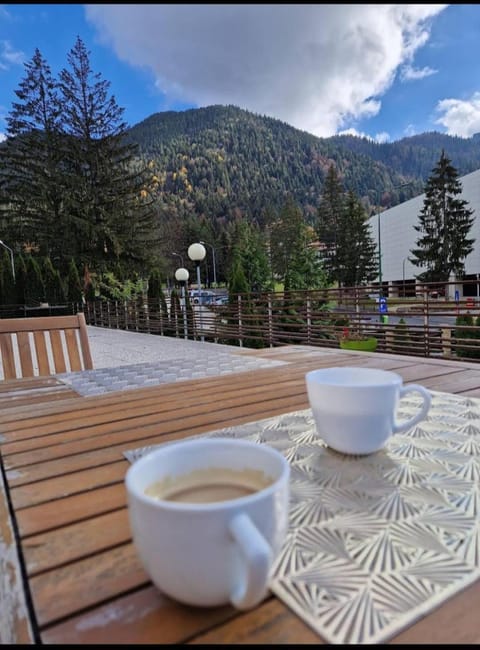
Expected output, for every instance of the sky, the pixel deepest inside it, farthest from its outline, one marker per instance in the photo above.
(376, 70)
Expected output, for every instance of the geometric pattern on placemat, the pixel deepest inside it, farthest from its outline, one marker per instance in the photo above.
(376, 542)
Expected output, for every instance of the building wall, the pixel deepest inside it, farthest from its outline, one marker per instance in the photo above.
(398, 236)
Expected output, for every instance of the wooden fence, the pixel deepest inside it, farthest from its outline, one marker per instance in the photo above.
(423, 325)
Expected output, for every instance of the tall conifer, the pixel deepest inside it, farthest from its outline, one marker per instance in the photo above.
(444, 224)
(109, 200)
(330, 223)
(31, 180)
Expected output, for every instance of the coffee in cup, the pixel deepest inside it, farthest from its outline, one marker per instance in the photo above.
(207, 486)
(354, 408)
(208, 516)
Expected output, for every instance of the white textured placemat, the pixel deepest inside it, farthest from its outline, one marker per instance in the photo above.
(376, 542)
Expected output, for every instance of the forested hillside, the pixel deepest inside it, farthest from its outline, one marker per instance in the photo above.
(417, 155)
(223, 161)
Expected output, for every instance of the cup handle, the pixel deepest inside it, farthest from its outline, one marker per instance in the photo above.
(427, 400)
(252, 585)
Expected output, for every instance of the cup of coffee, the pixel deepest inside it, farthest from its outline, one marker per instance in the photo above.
(355, 408)
(208, 517)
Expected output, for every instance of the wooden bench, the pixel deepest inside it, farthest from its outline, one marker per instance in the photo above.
(31, 347)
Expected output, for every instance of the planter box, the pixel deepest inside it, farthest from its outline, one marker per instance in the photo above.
(366, 345)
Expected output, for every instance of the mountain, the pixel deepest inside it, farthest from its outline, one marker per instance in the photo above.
(222, 161)
(417, 155)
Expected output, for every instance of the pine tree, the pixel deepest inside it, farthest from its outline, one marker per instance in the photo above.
(20, 279)
(356, 257)
(305, 271)
(74, 287)
(54, 291)
(34, 288)
(330, 222)
(444, 224)
(9, 293)
(250, 248)
(237, 280)
(88, 288)
(286, 236)
(154, 290)
(109, 199)
(31, 181)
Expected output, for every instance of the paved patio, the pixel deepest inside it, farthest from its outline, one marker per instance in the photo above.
(124, 360)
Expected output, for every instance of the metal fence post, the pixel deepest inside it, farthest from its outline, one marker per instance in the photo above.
(240, 330)
(270, 320)
(309, 320)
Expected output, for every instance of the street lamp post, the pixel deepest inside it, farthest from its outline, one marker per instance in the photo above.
(214, 262)
(180, 256)
(403, 274)
(11, 257)
(182, 275)
(197, 252)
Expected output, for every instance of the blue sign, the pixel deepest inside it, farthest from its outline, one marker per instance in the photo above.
(457, 295)
(382, 306)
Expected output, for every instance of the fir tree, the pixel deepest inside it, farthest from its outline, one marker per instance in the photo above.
(34, 288)
(286, 236)
(20, 279)
(237, 280)
(32, 179)
(330, 222)
(305, 271)
(88, 288)
(109, 199)
(54, 291)
(356, 258)
(154, 288)
(444, 225)
(250, 248)
(74, 287)
(9, 293)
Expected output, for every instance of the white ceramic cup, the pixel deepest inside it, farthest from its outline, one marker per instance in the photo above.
(216, 553)
(354, 408)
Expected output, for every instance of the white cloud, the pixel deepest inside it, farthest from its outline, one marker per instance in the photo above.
(380, 137)
(409, 73)
(410, 130)
(460, 116)
(317, 67)
(9, 56)
(2, 137)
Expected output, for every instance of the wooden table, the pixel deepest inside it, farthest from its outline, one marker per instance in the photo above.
(78, 578)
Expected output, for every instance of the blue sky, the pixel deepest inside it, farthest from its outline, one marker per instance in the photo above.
(385, 71)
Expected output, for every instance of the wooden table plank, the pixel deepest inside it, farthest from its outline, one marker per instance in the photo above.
(145, 616)
(66, 477)
(15, 625)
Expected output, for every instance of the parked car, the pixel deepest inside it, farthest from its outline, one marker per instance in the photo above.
(202, 297)
(221, 300)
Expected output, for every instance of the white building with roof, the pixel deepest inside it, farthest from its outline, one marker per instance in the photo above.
(395, 230)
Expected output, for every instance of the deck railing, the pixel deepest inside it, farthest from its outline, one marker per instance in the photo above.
(428, 324)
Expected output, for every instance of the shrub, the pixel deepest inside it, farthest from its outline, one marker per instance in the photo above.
(471, 337)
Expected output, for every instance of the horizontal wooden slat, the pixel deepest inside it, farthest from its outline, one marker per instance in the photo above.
(47, 323)
(15, 334)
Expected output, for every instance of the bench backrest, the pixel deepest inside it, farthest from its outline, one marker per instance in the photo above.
(44, 346)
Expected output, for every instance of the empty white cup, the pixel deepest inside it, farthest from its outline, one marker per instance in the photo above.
(355, 408)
